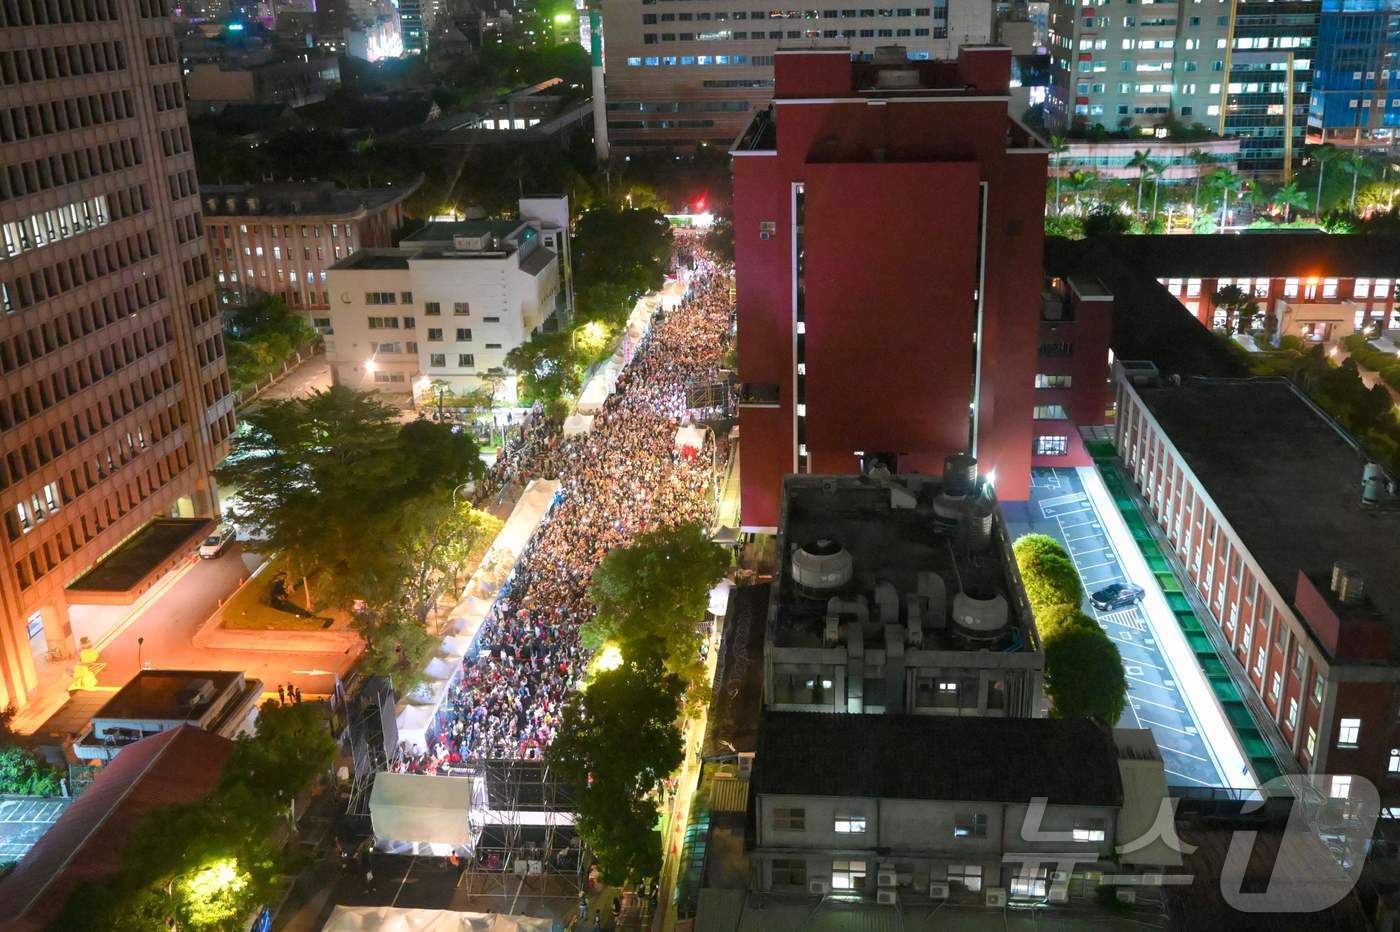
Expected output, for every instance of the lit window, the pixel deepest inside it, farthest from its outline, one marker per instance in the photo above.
(1292, 713)
(1341, 786)
(848, 875)
(1091, 830)
(1030, 882)
(1393, 765)
(1348, 732)
(1311, 744)
(1043, 380)
(1052, 445)
(850, 824)
(1050, 413)
(970, 825)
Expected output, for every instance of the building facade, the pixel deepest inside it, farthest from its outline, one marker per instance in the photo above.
(443, 309)
(1303, 593)
(681, 73)
(867, 329)
(1270, 84)
(114, 398)
(1140, 66)
(1317, 308)
(880, 829)
(1356, 75)
(280, 239)
(1072, 384)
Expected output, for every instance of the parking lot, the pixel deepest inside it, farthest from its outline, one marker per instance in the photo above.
(1061, 507)
(24, 820)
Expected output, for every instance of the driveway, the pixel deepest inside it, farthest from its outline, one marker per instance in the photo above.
(1061, 507)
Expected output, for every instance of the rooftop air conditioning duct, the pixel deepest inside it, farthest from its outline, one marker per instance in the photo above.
(978, 618)
(947, 512)
(976, 525)
(821, 568)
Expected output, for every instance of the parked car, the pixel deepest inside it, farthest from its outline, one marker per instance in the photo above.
(1118, 595)
(215, 544)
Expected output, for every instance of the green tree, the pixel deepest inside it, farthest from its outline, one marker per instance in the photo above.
(618, 740)
(720, 240)
(626, 248)
(1290, 198)
(1106, 220)
(25, 773)
(1084, 675)
(1047, 573)
(548, 369)
(651, 597)
(1358, 165)
(1079, 184)
(1058, 147)
(1239, 306)
(289, 748)
(443, 537)
(1142, 161)
(1202, 160)
(1053, 620)
(1033, 546)
(1321, 156)
(1225, 182)
(1156, 169)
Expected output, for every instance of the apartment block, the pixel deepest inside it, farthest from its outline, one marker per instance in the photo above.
(280, 238)
(114, 399)
(1356, 75)
(445, 307)
(681, 73)
(1270, 85)
(1137, 65)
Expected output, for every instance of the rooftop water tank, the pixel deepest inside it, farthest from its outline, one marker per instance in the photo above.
(821, 567)
(947, 512)
(980, 618)
(959, 474)
(977, 523)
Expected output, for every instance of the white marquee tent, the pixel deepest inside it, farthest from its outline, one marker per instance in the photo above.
(425, 810)
(576, 424)
(416, 711)
(396, 919)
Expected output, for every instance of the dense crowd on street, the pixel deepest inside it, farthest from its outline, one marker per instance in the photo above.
(622, 478)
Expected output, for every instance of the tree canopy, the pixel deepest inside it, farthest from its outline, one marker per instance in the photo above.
(619, 740)
(652, 596)
(22, 771)
(1084, 675)
(619, 255)
(260, 337)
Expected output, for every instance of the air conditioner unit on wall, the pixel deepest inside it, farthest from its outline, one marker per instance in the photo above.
(886, 877)
(937, 890)
(887, 897)
(996, 896)
(817, 887)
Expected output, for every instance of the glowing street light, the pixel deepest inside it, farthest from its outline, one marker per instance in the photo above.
(609, 658)
(562, 19)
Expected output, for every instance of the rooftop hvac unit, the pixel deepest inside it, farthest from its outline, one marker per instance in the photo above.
(887, 898)
(832, 634)
(1372, 484)
(959, 474)
(817, 886)
(996, 896)
(937, 890)
(886, 877)
(980, 618)
(821, 567)
(1059, 893)
(947, 512)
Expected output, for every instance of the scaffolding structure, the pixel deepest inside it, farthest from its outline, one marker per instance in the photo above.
(369, 734)
(529, 847)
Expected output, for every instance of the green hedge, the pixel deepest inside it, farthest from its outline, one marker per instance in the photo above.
(1368, 357)
(1083, 671)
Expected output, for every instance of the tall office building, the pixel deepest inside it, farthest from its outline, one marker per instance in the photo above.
(888, 233)
(1138, 64)
(1270, 67)
(114, 399)
(685, 72)
(1356, 74)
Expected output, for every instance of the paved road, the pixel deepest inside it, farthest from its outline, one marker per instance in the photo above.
(1059, 507)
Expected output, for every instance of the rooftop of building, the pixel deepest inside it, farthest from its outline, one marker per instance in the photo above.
(297, 199)
(893, 545)
(444, 231)
(85, 845)
(141, 554)
(1069, 761)
(1288, 480)
(365, 260)
(161, 695)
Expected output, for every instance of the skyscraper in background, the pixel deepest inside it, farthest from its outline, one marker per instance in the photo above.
(1356, 74)
(114, 397)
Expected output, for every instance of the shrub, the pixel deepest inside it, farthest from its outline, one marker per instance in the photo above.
(1030, 546)
(1051, 580)
(1054, 620)
(1084, 675)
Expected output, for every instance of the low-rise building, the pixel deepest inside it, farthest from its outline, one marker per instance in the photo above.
(1288, 534)
(280, 238)
(1111, 157)
(908, 809)
(447, 305)
(155, 701)
(295, 81)
(899, 594)
(1072, 384)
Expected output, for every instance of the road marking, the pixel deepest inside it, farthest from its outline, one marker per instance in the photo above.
(1170, 708)
(1079, 553)
(1097, 565)
(1071, 498)
(1168, 747)
(1136, 679)
(1185, 777)
(1070, 540)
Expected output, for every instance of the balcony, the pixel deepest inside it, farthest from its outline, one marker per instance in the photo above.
(758, 395)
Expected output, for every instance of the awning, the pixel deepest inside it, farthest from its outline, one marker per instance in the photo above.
(415, 807)
(692, 437)
(398, 919)
(576, 424)
(719, 597)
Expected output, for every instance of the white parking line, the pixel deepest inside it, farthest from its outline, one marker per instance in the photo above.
(1091, 534)
(1185, 777)
(1150, 683)
(1066, 527)
(1168, 747)
(1097, 565)
(1170, 708)
(1080, 553)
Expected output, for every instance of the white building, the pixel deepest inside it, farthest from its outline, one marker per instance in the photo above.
(448, 304)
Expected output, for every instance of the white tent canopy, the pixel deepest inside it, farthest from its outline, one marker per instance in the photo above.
(420, 808)
(719, 597)
(576, 424)
(691, 436)
(396, 919)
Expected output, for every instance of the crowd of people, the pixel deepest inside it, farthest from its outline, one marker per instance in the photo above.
(622, 478)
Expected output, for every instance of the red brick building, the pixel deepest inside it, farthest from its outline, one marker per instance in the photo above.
(1259, 494)
(888, 241)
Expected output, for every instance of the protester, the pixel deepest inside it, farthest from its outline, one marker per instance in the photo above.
(621, 479)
